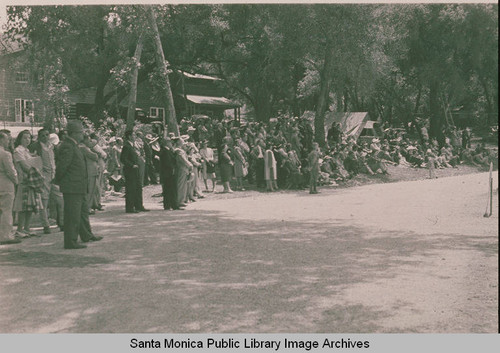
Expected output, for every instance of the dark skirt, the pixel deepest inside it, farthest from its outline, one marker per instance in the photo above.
(226, 172)
(210, 167)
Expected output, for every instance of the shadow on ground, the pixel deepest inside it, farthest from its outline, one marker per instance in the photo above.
(40, 259)
(196, 271)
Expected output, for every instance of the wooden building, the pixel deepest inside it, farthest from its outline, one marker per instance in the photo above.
(201, 94)
(18, 95)
(193, 94)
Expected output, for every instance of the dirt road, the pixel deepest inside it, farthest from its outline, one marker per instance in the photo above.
(405, 257)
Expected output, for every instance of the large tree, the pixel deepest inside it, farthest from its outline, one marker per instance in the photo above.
(395, 61)
(88, 41)
(451, 51)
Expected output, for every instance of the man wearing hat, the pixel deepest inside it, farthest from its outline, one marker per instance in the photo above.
(130, 160)
(71, 176)
(183, 169)
(191, 131)
(167, 175)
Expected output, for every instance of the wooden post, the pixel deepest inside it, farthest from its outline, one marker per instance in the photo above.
(491, 188)
(170, 118)
(490, 193)
(132, 99)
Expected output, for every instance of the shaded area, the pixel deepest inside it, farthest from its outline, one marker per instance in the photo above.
(40, 259)
(199, 271)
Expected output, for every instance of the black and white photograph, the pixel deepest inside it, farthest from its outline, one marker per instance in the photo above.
(236, 168)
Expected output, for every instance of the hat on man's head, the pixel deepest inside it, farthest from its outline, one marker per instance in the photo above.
(74, 125)
(54, 139)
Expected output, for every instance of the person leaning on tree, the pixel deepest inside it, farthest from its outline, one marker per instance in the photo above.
(71, 176)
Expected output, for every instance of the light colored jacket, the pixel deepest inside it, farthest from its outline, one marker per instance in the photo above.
(8, 174)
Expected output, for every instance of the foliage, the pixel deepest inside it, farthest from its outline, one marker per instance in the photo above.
(397, 62)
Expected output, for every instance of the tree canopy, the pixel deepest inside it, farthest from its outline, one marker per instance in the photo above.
(397, 62)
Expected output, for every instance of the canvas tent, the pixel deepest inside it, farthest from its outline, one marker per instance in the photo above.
(351, 123)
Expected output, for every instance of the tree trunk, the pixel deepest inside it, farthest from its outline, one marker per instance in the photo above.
(132, 99)
(417, 103)
(346, 100)
(171, 120)
(96, 113)
(324, 90)
(262, 106)
(489, 106)
(436, 118)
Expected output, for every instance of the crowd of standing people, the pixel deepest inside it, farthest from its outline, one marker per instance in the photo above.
(63, 176)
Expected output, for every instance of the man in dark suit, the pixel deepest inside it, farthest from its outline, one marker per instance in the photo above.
(183, 168)
(133, 186)
(167, 175)
(71, 176)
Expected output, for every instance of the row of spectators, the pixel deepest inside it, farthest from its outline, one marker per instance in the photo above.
(278, 155)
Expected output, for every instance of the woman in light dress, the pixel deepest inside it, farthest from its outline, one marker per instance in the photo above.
(23, 163)
(208, 165)
(270, 172)
(240, 165)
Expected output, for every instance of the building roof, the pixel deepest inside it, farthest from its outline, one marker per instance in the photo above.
(9, 46)
(206, 100)
(370, 124)
(199, 76)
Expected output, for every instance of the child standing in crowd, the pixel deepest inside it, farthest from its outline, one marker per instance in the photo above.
(313, 163)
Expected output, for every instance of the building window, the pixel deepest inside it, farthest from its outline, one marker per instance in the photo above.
(25, 110)
(21, 77)
(155, 112)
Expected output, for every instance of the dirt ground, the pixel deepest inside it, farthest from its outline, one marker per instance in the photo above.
(407, 256)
